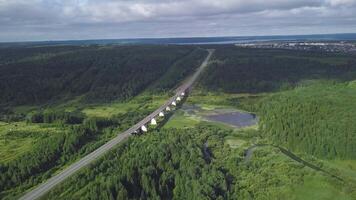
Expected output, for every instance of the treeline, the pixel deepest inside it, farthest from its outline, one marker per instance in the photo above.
(50, 116)
(48, 153)
(242, 70)
(180, 70)
(15, 54)
(192, 163)
(159, 165)
(12, 117)
(54, 151)
(99, 74)
(317, 119)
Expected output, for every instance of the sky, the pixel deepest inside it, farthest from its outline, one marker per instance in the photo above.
(41, 20)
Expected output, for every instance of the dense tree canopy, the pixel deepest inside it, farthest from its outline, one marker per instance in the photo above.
(187, 163)
(56, 150)
(97, 73)
(318, 119)
(179, 164)
(41, 75)
(239, 70)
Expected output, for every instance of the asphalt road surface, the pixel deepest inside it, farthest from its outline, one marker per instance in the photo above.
(55, 180)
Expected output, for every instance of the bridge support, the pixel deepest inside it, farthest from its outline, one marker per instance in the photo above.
(143, 128)
(161, 114)
(168, 108)
(135, 132)
(153, 121)
(174, 103)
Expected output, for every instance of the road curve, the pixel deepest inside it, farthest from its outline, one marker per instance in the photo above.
(55, 180)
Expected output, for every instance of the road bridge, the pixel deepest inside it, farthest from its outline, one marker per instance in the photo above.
(182, 91)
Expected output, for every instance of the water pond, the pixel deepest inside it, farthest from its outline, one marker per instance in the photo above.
(235, 118)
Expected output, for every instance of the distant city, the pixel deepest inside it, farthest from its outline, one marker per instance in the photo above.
(341, 46)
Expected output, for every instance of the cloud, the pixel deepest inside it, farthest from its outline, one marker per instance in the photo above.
(119, 11)
(341, 2)
(85, 19)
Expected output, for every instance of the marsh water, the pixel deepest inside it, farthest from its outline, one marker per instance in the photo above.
(228, 116)
(236, 118)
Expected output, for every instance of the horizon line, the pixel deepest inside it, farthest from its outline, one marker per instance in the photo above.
(183, 37)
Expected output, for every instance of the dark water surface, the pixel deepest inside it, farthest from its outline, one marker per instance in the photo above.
(239, 119)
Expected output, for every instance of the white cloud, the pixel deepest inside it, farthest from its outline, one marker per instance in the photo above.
(66, 19)
(136, 10)
(341, 2)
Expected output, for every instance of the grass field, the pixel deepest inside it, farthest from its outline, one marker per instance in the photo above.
(210, 101)
(17, 138)
(317, 187)
(347, 167)
(108, 110)
(142, 101)
(304, 183)
(181, 120)
(220, 100)
(234, 142)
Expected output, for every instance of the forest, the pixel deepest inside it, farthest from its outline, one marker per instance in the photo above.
(317, 119)
(308, 103)
(38, 82)
(59, 103)
(192, 163)
(170, 164)
(95, 73)
(244, 70)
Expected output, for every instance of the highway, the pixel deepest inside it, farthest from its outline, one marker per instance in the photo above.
(75, 167)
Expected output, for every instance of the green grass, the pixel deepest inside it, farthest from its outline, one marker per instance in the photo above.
(110, 109)
(10, 150)
(234, 142)
(346, 167)
(241, 137)
(352, 84)
(23, 109)
(17, 138)
(106, 110)
(221, 100)
(318, 188)
(181, 120)
(210, 100)
(304, 183)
